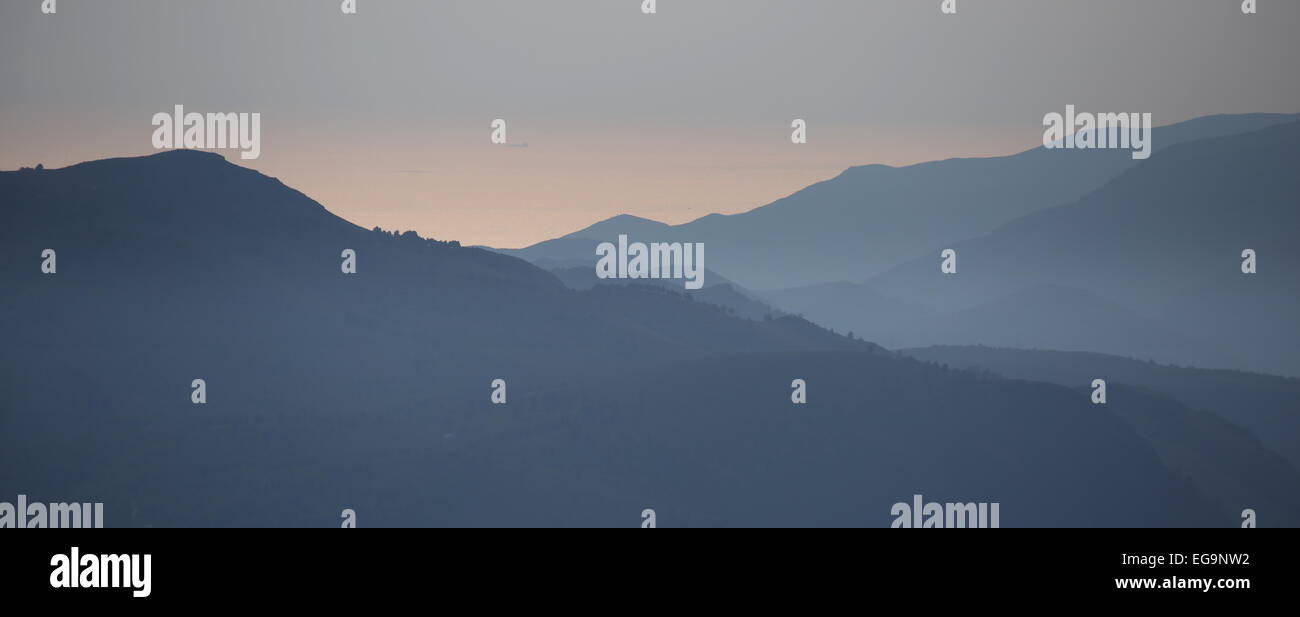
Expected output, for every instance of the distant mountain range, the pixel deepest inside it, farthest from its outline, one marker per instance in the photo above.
(1150, 265)
(717, 290)
(370, 391)
(1075, 250)
(869, 219)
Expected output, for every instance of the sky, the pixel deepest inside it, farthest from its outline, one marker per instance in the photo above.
(385, 116)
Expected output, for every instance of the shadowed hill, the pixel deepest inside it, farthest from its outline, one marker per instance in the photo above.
(1265, 405)
(1222, 431)
(717, 290)
(371, 391)
(186, 234)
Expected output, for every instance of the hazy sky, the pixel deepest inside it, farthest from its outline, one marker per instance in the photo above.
(384, 116)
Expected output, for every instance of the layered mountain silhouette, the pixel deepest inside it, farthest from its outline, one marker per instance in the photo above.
(1219, 421)
(135, 228)
(717, 290)
(872, 218)
(1044, 316)
(1150, 265)
(371, 391)
(1266, 406)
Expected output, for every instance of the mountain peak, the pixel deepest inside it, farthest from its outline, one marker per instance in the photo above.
(629, 219)
(187, 154)
(178, 156)
(621, 224)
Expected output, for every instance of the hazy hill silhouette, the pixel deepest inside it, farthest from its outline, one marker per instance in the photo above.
(717, 290)
(1203, 444)
(876, 429)
(1048, 316)
(371, 391)
(871, 218)
(1161, 244)
(1266, 406)
(187, 227)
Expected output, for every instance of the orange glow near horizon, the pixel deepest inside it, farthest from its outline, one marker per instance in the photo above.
(461, 187)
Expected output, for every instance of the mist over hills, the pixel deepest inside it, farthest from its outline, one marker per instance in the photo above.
(371, 391)
(1145, 262)
(874, 217)
(1045, 316)
(1161, 245)
(717, 290)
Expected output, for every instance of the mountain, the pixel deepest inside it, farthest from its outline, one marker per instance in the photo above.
(871, 218)
(1265, 405)
(372, 391)
(1161, 245)
(852, 307)
(877, 429)
(122, 234)
(1048, 316)
(579, 248)
(1237, 413)
(717, 290)
(584, 277)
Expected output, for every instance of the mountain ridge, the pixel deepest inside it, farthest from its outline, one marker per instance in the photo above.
(374, 390)
(869, 218)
